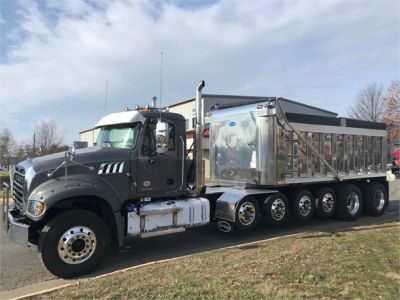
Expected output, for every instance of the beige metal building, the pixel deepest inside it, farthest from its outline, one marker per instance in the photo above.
(211, 101)
(89, 136)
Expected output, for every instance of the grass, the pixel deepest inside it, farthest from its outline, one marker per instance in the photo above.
(359, 264)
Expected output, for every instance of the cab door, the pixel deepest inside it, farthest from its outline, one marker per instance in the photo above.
(159, 175)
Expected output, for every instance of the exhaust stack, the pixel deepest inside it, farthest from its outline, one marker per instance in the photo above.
(199, 176)
(154, 102)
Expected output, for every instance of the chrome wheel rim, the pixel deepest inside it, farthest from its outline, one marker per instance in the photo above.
(77, 245)
(327, 202)
(278, 209)
(305, 206)
(247, 213)
(353, 203)
(379, 199)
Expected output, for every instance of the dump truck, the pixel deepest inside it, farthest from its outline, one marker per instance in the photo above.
(396, 160)
(142, 180)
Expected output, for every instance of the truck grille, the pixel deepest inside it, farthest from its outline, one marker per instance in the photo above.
(19, 183)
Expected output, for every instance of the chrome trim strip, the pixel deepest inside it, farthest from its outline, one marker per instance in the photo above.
(161, 232)
(17, 183)
(18, 189)
(18, 204)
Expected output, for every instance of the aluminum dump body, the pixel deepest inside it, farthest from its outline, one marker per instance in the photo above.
(261, 145)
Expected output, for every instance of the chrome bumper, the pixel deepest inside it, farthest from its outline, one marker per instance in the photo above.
(18, 232)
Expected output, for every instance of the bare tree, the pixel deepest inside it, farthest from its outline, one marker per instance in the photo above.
(370, 104)
(7, 144)
(391, 114)
(46, 137)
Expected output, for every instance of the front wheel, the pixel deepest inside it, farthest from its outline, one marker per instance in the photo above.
(73, 243)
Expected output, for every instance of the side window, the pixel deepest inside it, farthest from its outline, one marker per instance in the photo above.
(149, 141)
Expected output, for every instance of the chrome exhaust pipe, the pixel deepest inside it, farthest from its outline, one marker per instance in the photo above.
(198, 157)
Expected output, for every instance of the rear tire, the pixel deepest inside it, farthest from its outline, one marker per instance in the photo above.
(247, 214)
(349, 202)
(325, 202)
(275, 209)
(302, 205)
(73, 243)
(375, 199)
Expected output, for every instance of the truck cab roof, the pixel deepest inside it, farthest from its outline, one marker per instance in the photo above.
(136, 116)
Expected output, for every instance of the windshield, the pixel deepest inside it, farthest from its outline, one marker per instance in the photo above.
(118, 136)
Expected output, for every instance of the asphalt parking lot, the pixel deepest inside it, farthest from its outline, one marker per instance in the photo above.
(21, 266)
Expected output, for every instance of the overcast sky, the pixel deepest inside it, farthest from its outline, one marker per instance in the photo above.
(56, 55)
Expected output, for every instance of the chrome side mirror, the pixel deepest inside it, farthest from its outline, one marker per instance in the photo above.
(162, 137)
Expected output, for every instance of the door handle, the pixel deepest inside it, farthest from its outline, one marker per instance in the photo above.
(152, 161)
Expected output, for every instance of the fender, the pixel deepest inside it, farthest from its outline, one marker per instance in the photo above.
(227, 203)
(55, 190)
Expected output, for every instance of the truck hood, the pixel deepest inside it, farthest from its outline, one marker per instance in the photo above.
(90, 156)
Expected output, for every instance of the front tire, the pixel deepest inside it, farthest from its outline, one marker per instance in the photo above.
(73, 243)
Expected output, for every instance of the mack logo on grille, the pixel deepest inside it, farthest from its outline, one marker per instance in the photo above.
(111, 168)
(19, 179)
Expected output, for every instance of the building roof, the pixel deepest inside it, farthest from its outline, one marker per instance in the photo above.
(86, 130)
(251, 98)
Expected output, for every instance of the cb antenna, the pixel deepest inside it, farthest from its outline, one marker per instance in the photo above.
(105, 98)
(161, 79)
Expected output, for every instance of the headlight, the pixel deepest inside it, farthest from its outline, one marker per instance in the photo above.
(36, 207)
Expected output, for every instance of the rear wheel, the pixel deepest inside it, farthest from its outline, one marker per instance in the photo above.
(325, 202)
(73, 243)
(275, 209)
(349, 202)
(247, 214)
(302, 205)
(375, 199)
